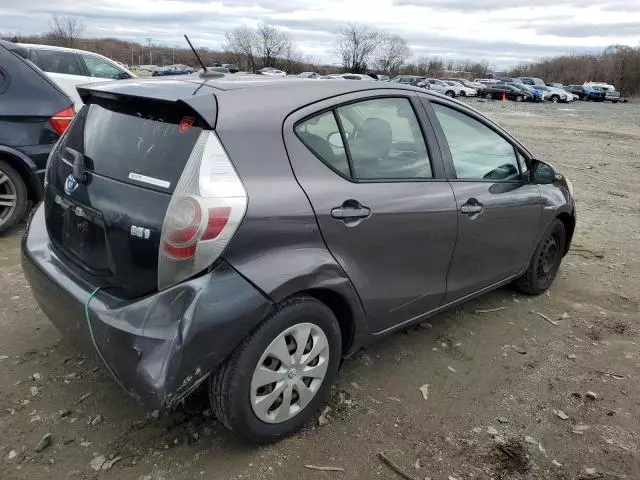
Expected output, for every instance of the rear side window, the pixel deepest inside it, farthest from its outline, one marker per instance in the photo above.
(322, 136)
(54, 61)
(136, 142)
(378, 139)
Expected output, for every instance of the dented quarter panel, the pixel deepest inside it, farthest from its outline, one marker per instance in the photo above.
(160, 347)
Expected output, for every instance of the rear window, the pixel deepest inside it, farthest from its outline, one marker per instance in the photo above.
(139, 142)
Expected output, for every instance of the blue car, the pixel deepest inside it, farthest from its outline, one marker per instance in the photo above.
(172, 70)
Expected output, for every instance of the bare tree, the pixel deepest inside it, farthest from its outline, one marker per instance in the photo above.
(391, 53)
(65, 30)
(355, 45)
(272, 44)
(241, 44)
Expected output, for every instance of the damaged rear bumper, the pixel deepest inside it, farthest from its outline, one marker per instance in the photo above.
(159, 347)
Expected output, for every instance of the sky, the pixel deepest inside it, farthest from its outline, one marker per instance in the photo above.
(502, 32)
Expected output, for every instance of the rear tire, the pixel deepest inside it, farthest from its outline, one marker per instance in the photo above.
(451, 94)
(237, 393)
(13, 197)
(519, 98)
(545, 262)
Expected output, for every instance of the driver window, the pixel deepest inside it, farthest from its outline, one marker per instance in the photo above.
(478, 152)
(385, 140)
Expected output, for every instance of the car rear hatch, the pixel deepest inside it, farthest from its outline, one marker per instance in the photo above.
(111, 177)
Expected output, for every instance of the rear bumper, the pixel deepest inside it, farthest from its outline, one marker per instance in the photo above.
(160, 347)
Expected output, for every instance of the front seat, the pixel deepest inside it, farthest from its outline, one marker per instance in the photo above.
(371, 145)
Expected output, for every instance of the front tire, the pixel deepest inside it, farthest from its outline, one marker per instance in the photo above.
(545, 262)
(519, 98)
(555, 98)
(451, 94)
(488, 96)
(13, 197)
(280, 375)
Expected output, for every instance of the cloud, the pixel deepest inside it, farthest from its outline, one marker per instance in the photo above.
(480, 6)
(590, 30)
(499, 31)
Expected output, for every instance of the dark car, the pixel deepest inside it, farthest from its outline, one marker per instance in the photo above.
(507, 92)
(232, 67)
(34, 112)
(172, 70)
(251, 233)
(577, 90)
(412, 80)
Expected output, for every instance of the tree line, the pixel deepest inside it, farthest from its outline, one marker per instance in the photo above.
(360, 48)
(618, 65)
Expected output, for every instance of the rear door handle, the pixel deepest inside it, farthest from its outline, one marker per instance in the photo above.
(351, 211)
(472, 207)
(347, 213)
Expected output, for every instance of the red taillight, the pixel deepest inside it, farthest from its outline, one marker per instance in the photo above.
(208, 204)
(218, 217)
(183, 228)
(61, 120)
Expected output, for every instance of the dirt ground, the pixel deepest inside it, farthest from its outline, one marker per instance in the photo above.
(507, 389)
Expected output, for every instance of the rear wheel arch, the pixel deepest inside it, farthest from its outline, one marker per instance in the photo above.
(25, 170)
(340, 307)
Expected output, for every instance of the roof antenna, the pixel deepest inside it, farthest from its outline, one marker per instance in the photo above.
(205, 72)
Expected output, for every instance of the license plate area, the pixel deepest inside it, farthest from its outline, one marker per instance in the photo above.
(82, 236)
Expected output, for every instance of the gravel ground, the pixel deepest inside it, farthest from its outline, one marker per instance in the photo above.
(508, 390)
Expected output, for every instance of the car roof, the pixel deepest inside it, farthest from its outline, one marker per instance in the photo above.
(291, 92)
(65, 49)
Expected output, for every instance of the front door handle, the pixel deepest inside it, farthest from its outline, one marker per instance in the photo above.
(472, 207)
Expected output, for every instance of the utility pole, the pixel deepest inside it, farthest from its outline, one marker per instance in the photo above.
(150, 54)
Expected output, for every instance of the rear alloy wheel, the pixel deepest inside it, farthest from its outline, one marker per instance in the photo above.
(463, 93)
(13, 197)
(281, 374)
(519, 98)
(545, 262)
(450, 93)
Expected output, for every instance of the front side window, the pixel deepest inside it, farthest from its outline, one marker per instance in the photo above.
(478, 152)
(54, 61)
(99, 68)
(385, 140)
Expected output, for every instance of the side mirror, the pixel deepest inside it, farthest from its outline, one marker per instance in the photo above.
(335, 140)
(543, 173)
(123, 75)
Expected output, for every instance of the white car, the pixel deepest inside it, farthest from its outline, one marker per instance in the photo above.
(461, 90)
(553, 94)
(272, 72)
(356, 76)
(69, 67)
(440, 86)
